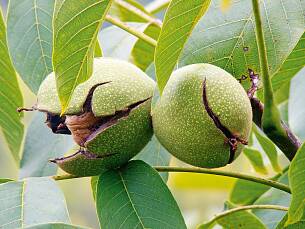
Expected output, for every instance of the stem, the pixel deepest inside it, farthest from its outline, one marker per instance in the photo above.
(157, 6)
(271, 121)
(146, 17)
(65, 177)
(243, 208)
(268, 92)
(131, 30)
(271, 183)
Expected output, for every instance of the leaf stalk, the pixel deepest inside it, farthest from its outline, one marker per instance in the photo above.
(146, 17)
(131, 30)
(272, 125)
(264, 181)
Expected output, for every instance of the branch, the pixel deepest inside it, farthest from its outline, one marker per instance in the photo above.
(290, 144)
(131, 30)
(271, 183)
(243, 208)
(271, 121)
(65, 177)
(146, 17)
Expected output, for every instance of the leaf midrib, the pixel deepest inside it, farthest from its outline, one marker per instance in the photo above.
(130, 200)
(86, 54)
(39, 36)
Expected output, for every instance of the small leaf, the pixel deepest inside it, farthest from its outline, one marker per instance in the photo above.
(136, 197)
(241, 220)
(247, 192)
(98, 50)
(292, 65)
(142, 53)
(256, 160)
(283, 109)
(40, 146)
(269, 148)
(29, 34)
(179, 21)
(282, 94)
(296, 105)
(93, 182)
(281, 224)
(155, 154)
(296, 176)
(32, 201)
(297, 225)
(274, 197)
(55, 226)
(234, 218)
(10, 98)
(75, 29)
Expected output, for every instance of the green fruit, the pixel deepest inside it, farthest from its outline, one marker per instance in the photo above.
(203, 117)
(108, 116)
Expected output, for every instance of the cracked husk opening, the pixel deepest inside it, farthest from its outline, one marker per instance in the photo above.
(232, 139)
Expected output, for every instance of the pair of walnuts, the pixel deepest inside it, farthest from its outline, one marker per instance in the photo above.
(203, 116)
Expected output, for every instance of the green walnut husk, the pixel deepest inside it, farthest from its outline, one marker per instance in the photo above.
(203, 117)
(108, 116)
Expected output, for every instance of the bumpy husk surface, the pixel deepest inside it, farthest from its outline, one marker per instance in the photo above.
(120, 85)
(183, 125)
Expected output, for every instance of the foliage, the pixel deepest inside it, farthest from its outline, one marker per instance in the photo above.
(42, 36)
(10, 99)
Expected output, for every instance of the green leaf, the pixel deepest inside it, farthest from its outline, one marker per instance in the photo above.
(29, 28)
(32, 201)
(241, 220)
(93, 182)
(282, 94)
(118, 43)
(274, 197)
(296, 176)
(4, 180)
(256, 160)
(234, 218)
(136, 197)
(55, 226)
(155, 154)
(142, 53)
(227, 39)
(296, 105)
(75, 29)
(98, 50)
(180, 19)
(269, 148)
(281, 224)
(40, 146)
(298, 225)
(292, 65)
(246, 192)
(283, 108)
(10, 98)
